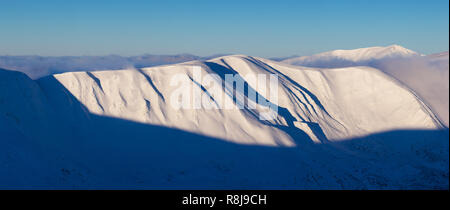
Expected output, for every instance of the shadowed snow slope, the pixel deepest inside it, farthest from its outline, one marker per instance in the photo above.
(346, 128)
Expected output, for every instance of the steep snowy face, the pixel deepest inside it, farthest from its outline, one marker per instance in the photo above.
(344, 58)
(326, 105)
(426, 76)
(345, 102)
(144, 96)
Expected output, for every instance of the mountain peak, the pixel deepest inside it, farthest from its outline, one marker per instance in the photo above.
(401, 49)
(360, 55)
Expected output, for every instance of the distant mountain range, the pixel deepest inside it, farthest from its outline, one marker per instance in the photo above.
(39, 66)
(345, 58)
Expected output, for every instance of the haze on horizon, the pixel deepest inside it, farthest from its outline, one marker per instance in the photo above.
(258, 28)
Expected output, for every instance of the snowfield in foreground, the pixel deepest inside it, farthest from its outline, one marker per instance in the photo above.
(341, 128)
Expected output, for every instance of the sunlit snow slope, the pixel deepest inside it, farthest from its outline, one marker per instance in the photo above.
(327, 104)
(426, 76)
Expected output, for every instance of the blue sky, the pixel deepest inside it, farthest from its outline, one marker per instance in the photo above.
(201, 27)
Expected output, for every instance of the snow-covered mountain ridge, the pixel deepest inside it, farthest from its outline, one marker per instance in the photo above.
(427, 76)
(117, 127)
(361, 56)
(344, 103)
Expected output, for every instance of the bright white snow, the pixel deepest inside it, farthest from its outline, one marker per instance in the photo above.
(426, 76)
(361, 56)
